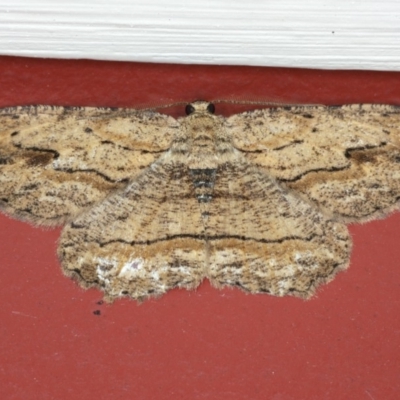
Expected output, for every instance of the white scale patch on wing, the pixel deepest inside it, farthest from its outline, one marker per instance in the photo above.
(131, 268)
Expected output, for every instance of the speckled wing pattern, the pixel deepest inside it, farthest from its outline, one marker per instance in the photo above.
(258, 200)
(56, 162)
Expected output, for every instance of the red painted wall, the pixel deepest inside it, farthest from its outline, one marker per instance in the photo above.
(205, 344)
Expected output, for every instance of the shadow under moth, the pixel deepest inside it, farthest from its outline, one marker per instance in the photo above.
(259, 200)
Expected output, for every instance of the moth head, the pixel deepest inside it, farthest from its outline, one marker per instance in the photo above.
(202, 107)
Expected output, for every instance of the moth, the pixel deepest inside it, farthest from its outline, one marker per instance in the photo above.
(258, 201)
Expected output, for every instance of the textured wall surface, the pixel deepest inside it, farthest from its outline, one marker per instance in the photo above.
(58, 341)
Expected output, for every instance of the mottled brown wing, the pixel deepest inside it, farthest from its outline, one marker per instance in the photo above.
(56, 162)
(141, 241)
(263, 238)
(346, 160)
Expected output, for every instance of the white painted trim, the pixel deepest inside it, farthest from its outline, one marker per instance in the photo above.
(343, 34)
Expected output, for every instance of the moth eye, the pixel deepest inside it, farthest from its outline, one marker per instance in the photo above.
(189, 109)
(211, 108)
